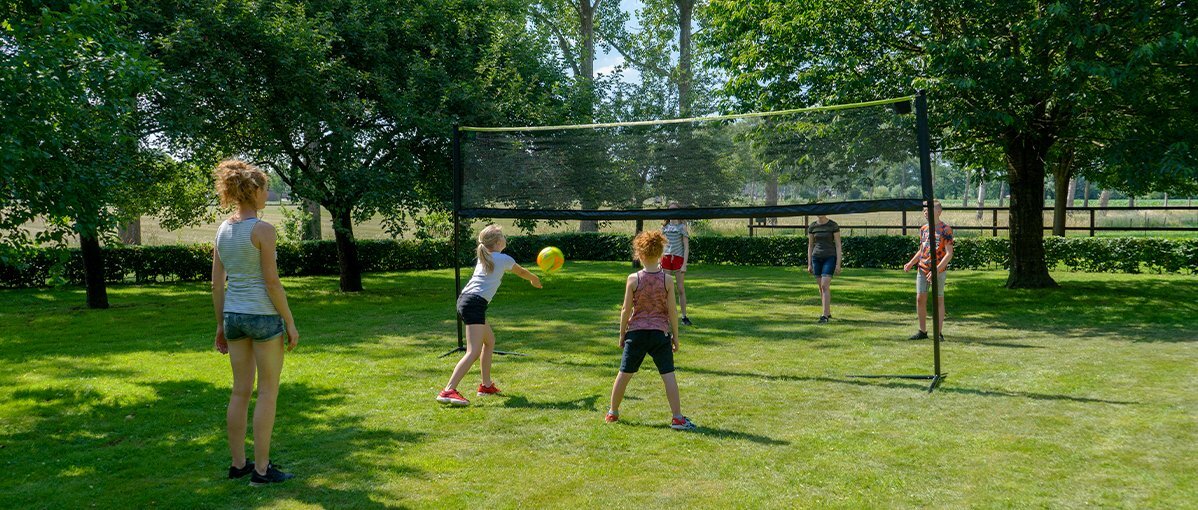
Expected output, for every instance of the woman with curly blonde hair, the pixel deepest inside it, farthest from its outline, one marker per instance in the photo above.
(252, 316)
(646, 318)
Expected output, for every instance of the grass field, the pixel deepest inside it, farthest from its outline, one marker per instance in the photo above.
(1078, 396)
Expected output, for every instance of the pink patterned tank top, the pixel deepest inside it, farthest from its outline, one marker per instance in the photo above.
(649, 303)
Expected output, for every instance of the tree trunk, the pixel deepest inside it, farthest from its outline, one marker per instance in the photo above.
(965, 193)
(312, 229)
(1104, 199)
(130, 233)
(93, 271)
(1166, 200)
(1062, 181)
(686, 10)
(1002, 194)
(981, 198)
(1086, 194)
(347, 250)
(586, 63)
(1131, 201)
(1071, 195)
(1025, 172)
(771, 194)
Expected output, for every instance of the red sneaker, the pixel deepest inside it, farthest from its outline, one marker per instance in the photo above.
(487, 390)
(683, 423)
(611, 417)
(452, 397)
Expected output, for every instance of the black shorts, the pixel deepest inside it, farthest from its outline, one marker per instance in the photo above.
(472, 308)
(653, 342)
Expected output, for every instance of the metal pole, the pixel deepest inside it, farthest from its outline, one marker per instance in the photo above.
(456, 156)
(925, 170)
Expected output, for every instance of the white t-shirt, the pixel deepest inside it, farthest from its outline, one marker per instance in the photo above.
(486, 284)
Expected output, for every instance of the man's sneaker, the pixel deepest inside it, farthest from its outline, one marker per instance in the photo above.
(683, 423)
(273, 475)
(922, 335)
(611, 417)
(452, 397)
(235, 473)
(487, 390)
(686, 321)
(823, 319)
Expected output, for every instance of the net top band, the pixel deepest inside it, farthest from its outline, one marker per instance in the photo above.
(878, 102)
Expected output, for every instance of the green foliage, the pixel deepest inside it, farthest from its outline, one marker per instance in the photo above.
(41, 267)
(295, 222)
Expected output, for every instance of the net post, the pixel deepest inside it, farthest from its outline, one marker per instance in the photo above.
(456, 163)
(925, 171)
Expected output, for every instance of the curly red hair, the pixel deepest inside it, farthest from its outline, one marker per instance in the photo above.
(238, 182)
(649, 244)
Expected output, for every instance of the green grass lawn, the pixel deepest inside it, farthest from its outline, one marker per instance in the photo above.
(1078, 396)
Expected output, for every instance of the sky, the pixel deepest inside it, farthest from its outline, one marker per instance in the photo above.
(605, 62)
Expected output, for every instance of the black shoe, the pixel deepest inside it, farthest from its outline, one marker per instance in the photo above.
(235, 473)
(823, 319)
(686, 321)
(922, 335)
(273, 475)
(941, 338)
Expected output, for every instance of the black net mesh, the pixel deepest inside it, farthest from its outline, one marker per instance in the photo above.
(837, 160)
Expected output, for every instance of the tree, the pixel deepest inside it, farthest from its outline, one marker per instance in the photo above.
(349, 102)
(77, 132)
(1017, 76)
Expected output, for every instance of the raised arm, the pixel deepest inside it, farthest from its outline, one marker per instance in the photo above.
(265, 238)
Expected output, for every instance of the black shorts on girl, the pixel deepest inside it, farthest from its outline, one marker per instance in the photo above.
(472, 308)
(655, 343)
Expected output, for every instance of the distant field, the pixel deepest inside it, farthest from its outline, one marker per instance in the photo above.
(153, 234)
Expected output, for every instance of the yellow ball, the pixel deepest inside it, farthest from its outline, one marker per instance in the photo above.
(550, 259)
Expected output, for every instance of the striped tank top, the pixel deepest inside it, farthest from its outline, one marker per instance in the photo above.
(649, 302)
(246, 290)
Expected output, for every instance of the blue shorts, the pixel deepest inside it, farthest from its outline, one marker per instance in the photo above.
(823, 266)
(259, 328)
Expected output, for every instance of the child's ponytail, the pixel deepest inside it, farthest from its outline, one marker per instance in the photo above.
(487, 239)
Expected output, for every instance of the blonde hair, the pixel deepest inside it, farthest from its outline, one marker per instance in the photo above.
(487, 239)
(238, 182)
(649, 244)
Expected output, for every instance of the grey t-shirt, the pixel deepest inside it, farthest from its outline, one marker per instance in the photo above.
(825, 238)
(486, 284)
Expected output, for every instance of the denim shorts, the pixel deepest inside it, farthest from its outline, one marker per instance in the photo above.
(259, 328)
(823, 266)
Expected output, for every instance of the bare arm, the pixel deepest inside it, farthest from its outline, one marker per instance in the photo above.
(942, 265)
(218, 301)
(626, 307)
(673, 309)
(810, 250)
(839, 253)
(527, 275)
(264, 237)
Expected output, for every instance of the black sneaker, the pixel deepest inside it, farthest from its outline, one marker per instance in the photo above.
(922, 335)
(823, 319)
(686, 321)
(273, 475)
(941, 338)
(235, 473)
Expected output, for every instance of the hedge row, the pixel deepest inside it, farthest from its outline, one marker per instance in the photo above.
(194, 262)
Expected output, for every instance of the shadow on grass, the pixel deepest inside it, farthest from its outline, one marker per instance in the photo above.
(83, 439)
(716, 433)
(578, 404)
(944, 387)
